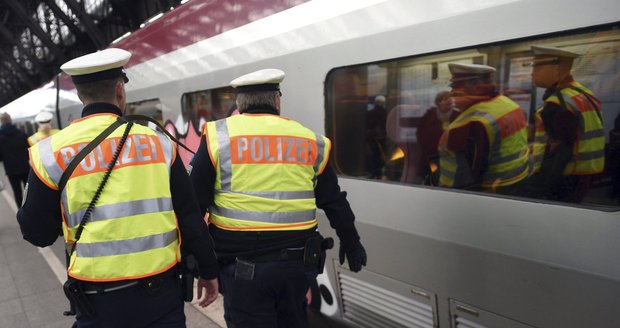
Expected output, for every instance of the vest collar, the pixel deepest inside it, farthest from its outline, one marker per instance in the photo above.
(100, 108)
(261, 109)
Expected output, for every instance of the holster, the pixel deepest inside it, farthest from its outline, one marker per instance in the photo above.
(188, 273)
(315, 251)
(74, 292)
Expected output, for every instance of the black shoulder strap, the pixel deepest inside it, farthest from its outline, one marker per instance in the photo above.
(137, 117)
(86, 150)
(93, 202)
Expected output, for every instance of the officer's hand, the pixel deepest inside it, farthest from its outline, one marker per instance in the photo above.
(211, 289)
(356, 255)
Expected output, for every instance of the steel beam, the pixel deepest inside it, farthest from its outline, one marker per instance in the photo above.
(61, 15)
(7, 35)
(91, 28)
(10, 62)
(126, 14)
(36, 29)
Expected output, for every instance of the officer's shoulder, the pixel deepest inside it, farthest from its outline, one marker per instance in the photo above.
(299, 124)
(212, 124)
(311, 131)
(228, 118)
(58, 134)
(143, 129)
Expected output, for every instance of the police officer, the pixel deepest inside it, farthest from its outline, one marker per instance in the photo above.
(485, 147)
(261, 177)
(14, 155)
(44, 120)
(569, 144)
(124, 250)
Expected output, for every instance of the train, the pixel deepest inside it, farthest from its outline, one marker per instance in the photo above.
(437, 257)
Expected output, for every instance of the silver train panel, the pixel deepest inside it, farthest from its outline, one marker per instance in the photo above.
(493, 289)
(437, 258)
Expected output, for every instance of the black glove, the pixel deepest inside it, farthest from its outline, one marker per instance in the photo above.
(356, 255)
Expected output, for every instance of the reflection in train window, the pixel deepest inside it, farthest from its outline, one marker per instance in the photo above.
(150, 108)
(27, 126)
(389, 121)
(207, 105)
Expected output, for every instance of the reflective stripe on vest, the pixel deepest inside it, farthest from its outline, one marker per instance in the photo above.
(539, 143)
(250, 153)
(132, 232)
(117, 247)
(268, 217)
(120, 210)
(589, 149)
(49, 160)
(506, 128)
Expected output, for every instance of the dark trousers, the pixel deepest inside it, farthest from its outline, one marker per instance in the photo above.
(17, 181)
(138, 306)
(276, 297)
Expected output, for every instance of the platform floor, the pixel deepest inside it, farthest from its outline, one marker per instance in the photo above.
(31, 279)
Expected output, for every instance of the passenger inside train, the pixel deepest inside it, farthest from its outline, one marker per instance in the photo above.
(432, 125)
(423, 77)
(375, 137)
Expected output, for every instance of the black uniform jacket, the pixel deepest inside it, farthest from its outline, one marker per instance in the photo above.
(14, 150)
(40, 217)
(230, 244)
(560, 123)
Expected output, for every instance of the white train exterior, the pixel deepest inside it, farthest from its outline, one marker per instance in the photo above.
(437, 257)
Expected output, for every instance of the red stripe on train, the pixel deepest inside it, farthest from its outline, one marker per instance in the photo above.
(192, 22)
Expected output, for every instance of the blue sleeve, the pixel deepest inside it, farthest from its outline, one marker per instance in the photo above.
(40, 218)
(195, 235)
(334, 202)
(203, 177)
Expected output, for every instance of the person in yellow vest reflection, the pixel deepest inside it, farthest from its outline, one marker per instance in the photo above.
(44, 120)
(569, 143)
(123, 210)
(261, 177)
(485, 147)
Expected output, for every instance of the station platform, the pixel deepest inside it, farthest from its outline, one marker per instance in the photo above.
(31, 279)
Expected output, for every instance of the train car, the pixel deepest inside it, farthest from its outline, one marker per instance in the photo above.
(24, 109)
(437, 257)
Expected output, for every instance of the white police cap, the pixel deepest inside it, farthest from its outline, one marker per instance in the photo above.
(43, 117)
(264, 80)
(463, 72)
(553, 51)
(470, 69)
(101, 65)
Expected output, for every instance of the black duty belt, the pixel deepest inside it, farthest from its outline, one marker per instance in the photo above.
(106, 287)
(90, 288)
(281, 255)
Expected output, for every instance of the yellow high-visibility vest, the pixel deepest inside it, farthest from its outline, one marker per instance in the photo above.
(132, 232)
(506, 127)
(589, 149)
(33, 139)
(266, 170)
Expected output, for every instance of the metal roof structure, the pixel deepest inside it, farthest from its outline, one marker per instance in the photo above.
(37, 36)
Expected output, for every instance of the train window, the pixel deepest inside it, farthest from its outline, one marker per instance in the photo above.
(151, 108)
(389, 120)
(207, 105)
